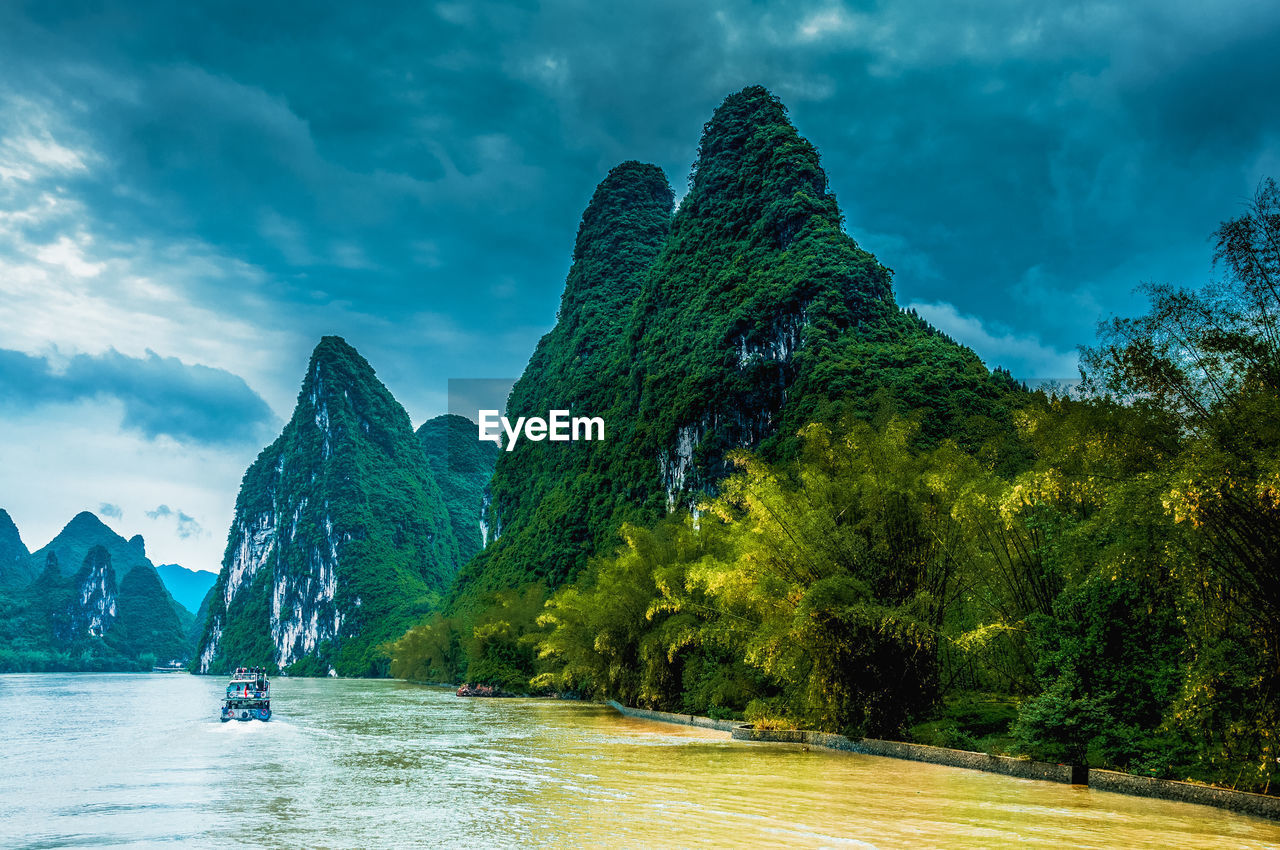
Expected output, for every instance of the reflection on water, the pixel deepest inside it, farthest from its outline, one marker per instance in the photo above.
(143, 760)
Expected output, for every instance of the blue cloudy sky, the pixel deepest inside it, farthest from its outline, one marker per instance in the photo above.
(192, 193)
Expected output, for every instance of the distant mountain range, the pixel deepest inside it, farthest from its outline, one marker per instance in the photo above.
(89, 600)
(349, 528)
(728, 323)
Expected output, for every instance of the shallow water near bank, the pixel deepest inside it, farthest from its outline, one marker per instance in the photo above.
(142, 760)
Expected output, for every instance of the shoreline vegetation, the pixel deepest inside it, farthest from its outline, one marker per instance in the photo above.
(1084, 576)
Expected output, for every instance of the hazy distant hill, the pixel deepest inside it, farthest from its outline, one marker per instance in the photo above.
(189, 587)
(95, 603)
(83, 533)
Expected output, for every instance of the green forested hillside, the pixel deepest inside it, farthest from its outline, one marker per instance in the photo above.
(461, 466)
(146, 616)
(554, 504)
(340, 538)
(747, 315)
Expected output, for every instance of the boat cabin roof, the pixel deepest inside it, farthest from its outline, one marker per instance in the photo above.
(247, 677)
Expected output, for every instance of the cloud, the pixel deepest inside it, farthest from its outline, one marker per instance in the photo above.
(238, 182)
(187, 526)
(1024, 355)
(161, 396)
(307, 173)
(109, 510)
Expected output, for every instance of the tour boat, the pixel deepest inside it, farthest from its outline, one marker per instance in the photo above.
(248, 695)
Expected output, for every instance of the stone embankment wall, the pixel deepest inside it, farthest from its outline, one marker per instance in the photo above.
(1101, 780)
(1187, 792)
(1023, 768)
(682, 719)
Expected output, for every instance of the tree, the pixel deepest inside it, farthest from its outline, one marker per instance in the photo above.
(1211, 360)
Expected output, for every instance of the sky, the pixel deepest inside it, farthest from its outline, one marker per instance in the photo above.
(192, 194)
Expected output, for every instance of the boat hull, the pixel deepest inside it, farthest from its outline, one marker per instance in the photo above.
(229, 714)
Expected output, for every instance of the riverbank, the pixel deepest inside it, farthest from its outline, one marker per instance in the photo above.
(1243, 802)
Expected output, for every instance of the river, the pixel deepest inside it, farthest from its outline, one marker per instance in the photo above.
(142, 760)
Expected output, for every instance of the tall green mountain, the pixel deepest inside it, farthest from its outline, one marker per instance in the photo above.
(15, 559)
(462, 466)
(553, 503)
(340, 539)
(733, 323)
(189, 587)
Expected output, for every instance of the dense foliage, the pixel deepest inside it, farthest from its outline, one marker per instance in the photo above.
(913, 547)
(733, 323)
(147, 617)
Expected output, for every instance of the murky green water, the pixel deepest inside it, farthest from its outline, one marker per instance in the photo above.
(92, 760)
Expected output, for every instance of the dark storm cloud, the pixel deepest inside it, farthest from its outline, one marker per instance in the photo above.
(160, 396)
(1024, 165)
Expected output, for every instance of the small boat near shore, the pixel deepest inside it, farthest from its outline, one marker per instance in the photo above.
(172, 667)
(470, 690)
(248, 695)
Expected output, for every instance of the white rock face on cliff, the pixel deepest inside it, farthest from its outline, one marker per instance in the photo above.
(97, 598)
(778, 344)
(303, 612)
(257, 542)
(489, 521)
(255, 545)
(214, 641)
(675, 465)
